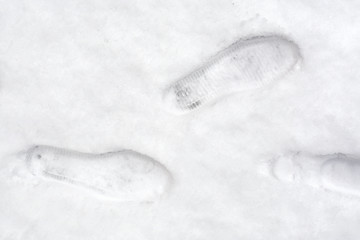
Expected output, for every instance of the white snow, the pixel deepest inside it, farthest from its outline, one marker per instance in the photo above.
(243, 66)
(125, 176)
(89, 76)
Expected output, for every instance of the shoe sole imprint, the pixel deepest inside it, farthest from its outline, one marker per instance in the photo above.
(246, 64)
(335, 172)
(123, 176)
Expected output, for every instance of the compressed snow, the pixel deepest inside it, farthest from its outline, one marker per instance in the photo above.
(125, 176)
(245, 65)
(89, 76)
(334, 172)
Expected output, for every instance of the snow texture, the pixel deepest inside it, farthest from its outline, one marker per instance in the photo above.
(90, 76)
(122, 176)
(246, 64)
(335, 172)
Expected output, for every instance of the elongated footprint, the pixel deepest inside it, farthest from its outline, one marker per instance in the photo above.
(246, 64)
(335, 172)
(123, 176)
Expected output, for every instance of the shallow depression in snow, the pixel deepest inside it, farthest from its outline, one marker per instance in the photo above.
(90, 76)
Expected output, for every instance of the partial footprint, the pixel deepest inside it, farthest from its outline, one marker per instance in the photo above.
(335, 172)
(246, 64)
(124, 175)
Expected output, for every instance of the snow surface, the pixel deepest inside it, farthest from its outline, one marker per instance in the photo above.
(89, 75)
(245, 65)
